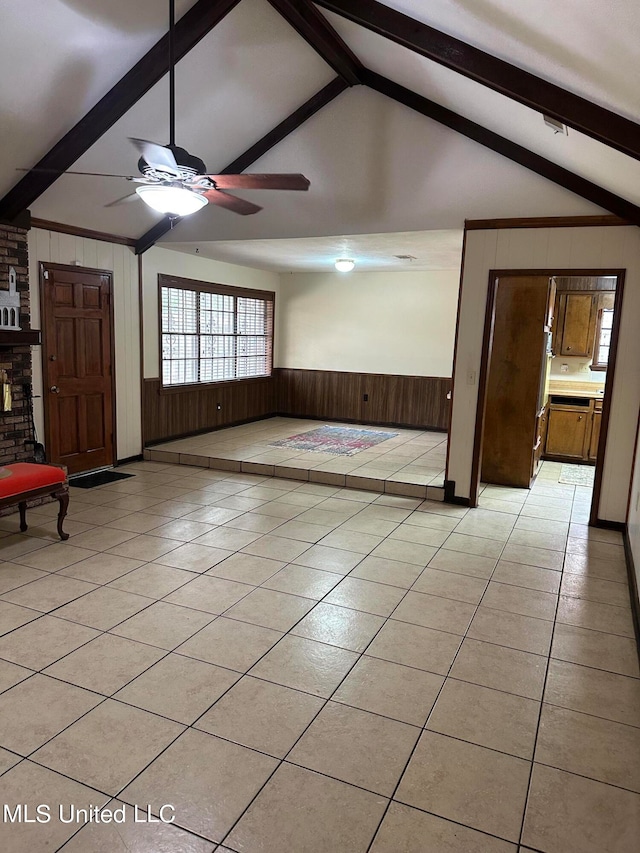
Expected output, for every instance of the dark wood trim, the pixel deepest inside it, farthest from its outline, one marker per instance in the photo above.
(22, 220)
(455, 356)
(450, 496)
(512, 151)
(204, 430)
(189, 388)
(137, 458)
(483, 380)
(545, 222)
(43, 266)
(620, 526)
(279, 132)
(361, 421)
(522, 86)
(634, 593)
(23, 338)
(165, 280)
(189, 30)
(76, 231)
(141, 343)
(314, 28)
(608, 394)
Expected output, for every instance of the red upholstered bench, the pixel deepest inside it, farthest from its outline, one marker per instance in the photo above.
(24, 481)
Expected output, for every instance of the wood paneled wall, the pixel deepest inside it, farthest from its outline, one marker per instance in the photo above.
(411, 401)
(169, 414)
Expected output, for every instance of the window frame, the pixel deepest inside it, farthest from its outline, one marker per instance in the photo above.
(596, 364)
(198, 287)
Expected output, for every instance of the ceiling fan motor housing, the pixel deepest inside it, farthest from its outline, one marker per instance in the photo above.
(189, 164)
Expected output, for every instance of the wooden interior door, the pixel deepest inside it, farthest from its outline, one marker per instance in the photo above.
(77, 367)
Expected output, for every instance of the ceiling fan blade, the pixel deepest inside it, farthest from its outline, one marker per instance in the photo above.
(71, 172)
(261, 182)
(155, 155)
(237, 205)
(124, 200)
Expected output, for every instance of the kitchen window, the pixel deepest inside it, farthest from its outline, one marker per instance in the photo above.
(603, 339)
(213, 333)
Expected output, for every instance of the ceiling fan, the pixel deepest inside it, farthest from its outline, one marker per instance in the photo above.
(176, 183)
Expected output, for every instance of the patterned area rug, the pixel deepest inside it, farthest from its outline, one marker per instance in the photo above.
(577, 475)
(342, 441)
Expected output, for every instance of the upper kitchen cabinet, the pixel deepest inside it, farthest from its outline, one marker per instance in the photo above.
(577, 321)
(576, 317)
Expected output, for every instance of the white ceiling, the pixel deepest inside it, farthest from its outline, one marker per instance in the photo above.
(375, 166)
(429, 250)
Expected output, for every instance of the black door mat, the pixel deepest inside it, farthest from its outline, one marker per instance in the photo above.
(100, 478)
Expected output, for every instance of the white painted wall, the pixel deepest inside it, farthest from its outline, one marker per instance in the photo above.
(66, 249)
(634, 513)
(371, 322)
(167, 262)
(551, 248)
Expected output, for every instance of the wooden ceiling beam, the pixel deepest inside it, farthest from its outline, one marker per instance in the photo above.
(598, 122)
(189, 30)
(318, 32)
(279, 132)
(541, 166)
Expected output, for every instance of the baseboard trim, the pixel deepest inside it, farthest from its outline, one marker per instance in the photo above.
(620, 526)
(450, 496)
(358, 421)
(633, 585)
(137, 458)
(204, 430)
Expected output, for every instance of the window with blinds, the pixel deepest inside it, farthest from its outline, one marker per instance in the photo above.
(213, 333)
(604, 328)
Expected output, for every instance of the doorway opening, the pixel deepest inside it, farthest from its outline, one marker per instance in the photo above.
(78, 366)
(546, 375)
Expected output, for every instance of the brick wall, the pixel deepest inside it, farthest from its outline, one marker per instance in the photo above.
(14, 425)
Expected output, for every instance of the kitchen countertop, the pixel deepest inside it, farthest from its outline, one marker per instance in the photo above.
(576, 389)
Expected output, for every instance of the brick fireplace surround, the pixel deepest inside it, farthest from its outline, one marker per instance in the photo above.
(16, 360)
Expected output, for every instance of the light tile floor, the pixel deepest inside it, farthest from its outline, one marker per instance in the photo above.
(300, 668)
(406, 464)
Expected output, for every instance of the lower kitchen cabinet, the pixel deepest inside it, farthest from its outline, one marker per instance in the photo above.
(596, 420)
(573, 429)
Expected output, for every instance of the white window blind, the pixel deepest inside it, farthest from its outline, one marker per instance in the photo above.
(214, 334)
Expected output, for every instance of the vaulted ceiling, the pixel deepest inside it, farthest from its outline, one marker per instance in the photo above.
(375, 165)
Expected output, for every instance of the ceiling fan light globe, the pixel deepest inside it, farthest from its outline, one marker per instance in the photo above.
(175, 201)
(345, 264)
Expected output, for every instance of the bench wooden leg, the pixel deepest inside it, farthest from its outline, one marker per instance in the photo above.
(22, 506)
(63, 499)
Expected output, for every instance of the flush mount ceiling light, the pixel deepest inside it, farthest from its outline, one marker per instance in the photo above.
(176, 201)
(345, 264)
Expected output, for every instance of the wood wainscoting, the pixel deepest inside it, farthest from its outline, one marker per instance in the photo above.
(182, 411)
(371, 398)
(406, 401)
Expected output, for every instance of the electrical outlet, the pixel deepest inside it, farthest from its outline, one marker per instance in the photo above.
(564, 368)
(471, 377)
(365, 397)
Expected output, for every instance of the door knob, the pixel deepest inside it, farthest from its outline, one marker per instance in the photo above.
(54, 389)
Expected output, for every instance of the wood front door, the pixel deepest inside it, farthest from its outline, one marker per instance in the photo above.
(77, 366)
